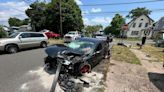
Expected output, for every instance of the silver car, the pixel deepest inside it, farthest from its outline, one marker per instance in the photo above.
(23, 40)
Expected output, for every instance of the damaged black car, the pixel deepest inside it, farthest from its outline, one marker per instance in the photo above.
(77, 57)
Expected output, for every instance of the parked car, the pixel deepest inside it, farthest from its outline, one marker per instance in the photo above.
(72, 35)
(52, 35)
(23, 40)
(103, 37)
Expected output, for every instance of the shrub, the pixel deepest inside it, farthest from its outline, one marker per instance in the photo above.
(2, 33)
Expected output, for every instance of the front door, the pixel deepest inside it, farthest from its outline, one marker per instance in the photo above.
(98, 54)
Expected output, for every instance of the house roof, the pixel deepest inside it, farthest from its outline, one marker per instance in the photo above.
(159, 25)
(150, 19)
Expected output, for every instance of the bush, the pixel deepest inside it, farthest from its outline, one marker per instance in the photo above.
(2, 33)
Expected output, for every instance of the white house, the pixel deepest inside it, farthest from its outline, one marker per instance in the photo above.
(137, 27)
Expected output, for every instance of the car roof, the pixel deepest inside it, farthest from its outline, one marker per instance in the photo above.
(31, 32)
(94, 40)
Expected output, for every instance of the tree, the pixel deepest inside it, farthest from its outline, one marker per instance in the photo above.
(2, 32)
(115, 27)
(17, 22)
(90, 30)
(48, 16)
(134, 13)
(37, 15)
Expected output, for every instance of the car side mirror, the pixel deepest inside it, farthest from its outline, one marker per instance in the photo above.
(20, 37)
(97, 52)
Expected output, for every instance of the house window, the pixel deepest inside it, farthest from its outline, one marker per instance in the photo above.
(134, 32)
(141, 19)
(140, 25)
(134, 25)
(146, 25)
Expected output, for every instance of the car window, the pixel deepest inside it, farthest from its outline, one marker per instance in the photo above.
(99, 47)
(36, 35)
(25, 35)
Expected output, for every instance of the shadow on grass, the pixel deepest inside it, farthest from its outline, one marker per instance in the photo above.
(157, 79)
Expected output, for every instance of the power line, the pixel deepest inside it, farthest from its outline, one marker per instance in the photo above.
(112, 4)
(112, 12)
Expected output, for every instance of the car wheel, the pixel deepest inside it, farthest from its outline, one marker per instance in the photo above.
(43, 44)
(12, 49)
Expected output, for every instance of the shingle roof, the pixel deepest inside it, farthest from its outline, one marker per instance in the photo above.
(159, 25)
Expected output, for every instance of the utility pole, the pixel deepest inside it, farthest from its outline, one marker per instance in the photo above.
(61, 28)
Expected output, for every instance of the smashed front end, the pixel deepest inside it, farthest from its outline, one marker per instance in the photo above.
(73, 62)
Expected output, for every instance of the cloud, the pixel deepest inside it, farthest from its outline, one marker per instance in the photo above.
(85, 12)
(97, 20)
(79, 2)
(96, 10)
(12, 9)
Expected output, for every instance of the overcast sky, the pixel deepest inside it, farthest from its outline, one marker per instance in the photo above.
(16, 8)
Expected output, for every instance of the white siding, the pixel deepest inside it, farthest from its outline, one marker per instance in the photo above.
(142, 19)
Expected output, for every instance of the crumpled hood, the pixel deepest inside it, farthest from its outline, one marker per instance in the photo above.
(52, 51)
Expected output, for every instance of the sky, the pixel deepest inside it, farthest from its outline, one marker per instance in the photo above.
(16, 8)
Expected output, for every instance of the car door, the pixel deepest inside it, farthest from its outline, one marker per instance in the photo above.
(25, 40)
(98, 54)
(36, 39)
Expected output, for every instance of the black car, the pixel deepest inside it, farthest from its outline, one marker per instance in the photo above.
(77, 57)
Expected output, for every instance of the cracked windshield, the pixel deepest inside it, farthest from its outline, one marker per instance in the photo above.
(81, 46)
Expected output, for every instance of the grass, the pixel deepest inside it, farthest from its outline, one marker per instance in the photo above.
(55, 41)
(129, 39)
(121, 53)
(155, 52)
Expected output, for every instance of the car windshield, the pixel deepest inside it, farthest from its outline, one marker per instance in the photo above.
(82, 46)
(71, 33)
(13, 35)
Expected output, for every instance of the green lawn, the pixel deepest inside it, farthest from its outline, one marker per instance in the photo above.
(129, 39)
(155, 52)
(55, 41)
(121, 53)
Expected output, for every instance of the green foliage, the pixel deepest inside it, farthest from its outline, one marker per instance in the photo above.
(17, 22)
(2, 32)
(117, 22)
(46, 16)
(90, 30)
(134, 13)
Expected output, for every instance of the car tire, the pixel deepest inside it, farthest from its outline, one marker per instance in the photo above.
(12, 49)
(43, 44)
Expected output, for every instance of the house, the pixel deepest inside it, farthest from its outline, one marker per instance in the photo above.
(25, 28)
(140, 26)
(159, 26)
(159, 29)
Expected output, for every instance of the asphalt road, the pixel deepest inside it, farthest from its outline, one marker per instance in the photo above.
(14, 67)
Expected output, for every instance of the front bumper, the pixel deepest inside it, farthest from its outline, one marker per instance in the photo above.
(68, 39)
(2, 48)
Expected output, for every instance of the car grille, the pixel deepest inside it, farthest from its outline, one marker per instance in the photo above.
(67, 37)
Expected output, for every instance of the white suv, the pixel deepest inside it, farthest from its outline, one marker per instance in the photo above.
(23, 40)
(72, 35)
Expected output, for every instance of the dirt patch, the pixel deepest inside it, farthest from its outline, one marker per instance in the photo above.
(44, 80)
(145, 61)
(125, 77)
